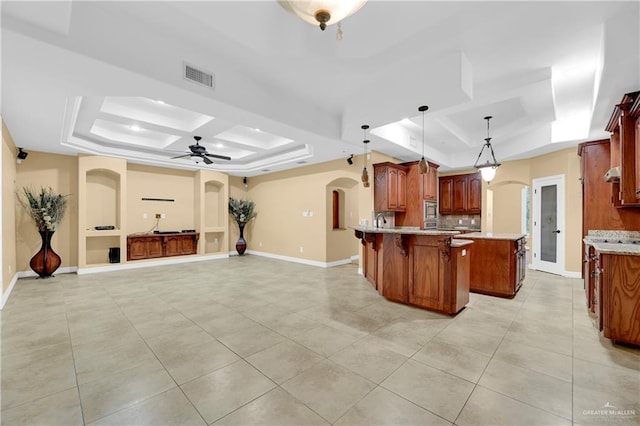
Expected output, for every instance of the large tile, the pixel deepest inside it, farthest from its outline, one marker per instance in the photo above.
(473, 339)
(369, 360)
(225, 390)
(109, 394)
(283, 361)
(439, 392)
(227, 324)
(325, 340)
(455, 359)
(251, 340)
(381, 407)
(27, 376)
(540, 390)
(486, 407)
(328, 389)
(551, 337)
(536, 359)
(276, 408)
(292, 324)
(168, 408)
(61, 408)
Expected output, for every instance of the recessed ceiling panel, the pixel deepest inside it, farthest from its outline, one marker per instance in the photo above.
(144, 110)
(504, 113)
(124, 135)
(252, 137)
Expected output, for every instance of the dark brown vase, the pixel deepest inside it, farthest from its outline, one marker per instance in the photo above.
(241, 245)
(46, 261)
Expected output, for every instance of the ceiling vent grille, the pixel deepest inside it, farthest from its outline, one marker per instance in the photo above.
(198, 76)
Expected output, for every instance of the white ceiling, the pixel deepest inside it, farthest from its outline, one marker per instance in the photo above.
(107, 78)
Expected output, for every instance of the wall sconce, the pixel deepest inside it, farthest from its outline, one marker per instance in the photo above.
(244, 182)
(488, 169)
(350, 160)
(21, 156)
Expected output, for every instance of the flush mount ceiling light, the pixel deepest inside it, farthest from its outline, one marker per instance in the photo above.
(323, 12)
(423, 166)
(488, 169)
(365, 174)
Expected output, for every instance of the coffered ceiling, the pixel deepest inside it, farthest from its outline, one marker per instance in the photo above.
(108, 78)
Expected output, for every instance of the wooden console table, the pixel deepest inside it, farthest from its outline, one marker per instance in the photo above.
(149, 246)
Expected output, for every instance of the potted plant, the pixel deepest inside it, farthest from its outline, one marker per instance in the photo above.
(242, 211)
(47, 209)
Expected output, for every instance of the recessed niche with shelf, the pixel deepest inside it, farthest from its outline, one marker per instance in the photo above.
(213, 242)
(97, 250)
(103, 198)
(213, 204)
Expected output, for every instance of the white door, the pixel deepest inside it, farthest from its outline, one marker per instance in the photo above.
(548, 224)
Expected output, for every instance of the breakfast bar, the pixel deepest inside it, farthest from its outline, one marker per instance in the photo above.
(423, 268)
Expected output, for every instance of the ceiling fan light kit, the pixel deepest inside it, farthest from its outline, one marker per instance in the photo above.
(322, 12)
(199, 153)
(488, 169)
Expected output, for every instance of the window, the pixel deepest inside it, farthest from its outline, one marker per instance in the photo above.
(336, 209)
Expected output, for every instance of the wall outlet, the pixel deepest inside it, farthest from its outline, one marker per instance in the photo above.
(215, 241)
(260, 244)
(145, 216)
(162, 215)
(473, 221)
(310, 213)
(301, 249)
(157, 215)
(459, 221)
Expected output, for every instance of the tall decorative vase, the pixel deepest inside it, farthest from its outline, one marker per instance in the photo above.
(241, 245)
(46, 261)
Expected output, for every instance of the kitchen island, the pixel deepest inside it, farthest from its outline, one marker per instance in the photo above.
(498, 263)
(423, 268)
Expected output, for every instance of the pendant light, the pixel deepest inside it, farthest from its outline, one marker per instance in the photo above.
(423, 166)
(488, 169)
(365, 174)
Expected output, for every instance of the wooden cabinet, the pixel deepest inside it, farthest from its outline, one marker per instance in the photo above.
(461, 194)
(149, 246)
(420, 270)
(618, 297)
(446, 195)
(429, 182)
(623, 125)
(390, 187)
(498, 266)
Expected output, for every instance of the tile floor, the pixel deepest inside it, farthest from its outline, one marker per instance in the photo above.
(251, 340)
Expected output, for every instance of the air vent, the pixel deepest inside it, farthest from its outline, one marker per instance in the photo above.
(198, 76)
(301, 162)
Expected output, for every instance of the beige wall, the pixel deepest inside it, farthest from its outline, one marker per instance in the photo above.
(60, 172)
(8, 208)
(158, 182)
(507, 218)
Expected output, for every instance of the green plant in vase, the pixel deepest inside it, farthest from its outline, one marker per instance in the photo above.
(47, 209)
(242, 211)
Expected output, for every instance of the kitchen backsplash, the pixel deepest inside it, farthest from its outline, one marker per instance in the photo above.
(453, 220)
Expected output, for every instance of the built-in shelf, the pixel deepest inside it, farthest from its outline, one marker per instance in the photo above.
(215, 229)
(105, 233)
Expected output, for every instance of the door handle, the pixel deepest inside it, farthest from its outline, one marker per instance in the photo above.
(557, 231)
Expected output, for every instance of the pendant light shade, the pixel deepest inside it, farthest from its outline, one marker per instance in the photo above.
(488, 169)
(365, 174)
(423, 166)
(322, 12)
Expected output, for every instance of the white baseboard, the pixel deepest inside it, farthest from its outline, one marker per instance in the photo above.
(299, 260)
(355, 257)
(572, 274)
(5, 295)
(146, 264)
(63, 270)
(360, 271)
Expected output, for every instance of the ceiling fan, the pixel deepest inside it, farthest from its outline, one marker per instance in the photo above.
(199, 152)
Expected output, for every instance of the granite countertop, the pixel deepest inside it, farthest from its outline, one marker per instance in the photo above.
(616, 248)
(491, 236)
(457, 242)
(404, 230)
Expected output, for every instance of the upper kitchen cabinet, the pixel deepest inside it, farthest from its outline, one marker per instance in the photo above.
(624, 174)
(429, 182)
(461, 194)
(390, 187)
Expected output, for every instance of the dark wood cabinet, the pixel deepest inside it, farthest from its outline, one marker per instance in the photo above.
(149, 246)
(429, 186)
(445, 206)
(419, 188)
(390, 191)
(498, 266)
(461, 194)
(618, 297)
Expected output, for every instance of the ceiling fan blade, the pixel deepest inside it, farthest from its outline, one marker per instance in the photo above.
(221, 157)
(180, 156)
(206, 160)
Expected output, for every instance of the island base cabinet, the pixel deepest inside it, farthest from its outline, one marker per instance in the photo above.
(619, 295)
(498, 266)
(394, 267)
(426, 274)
